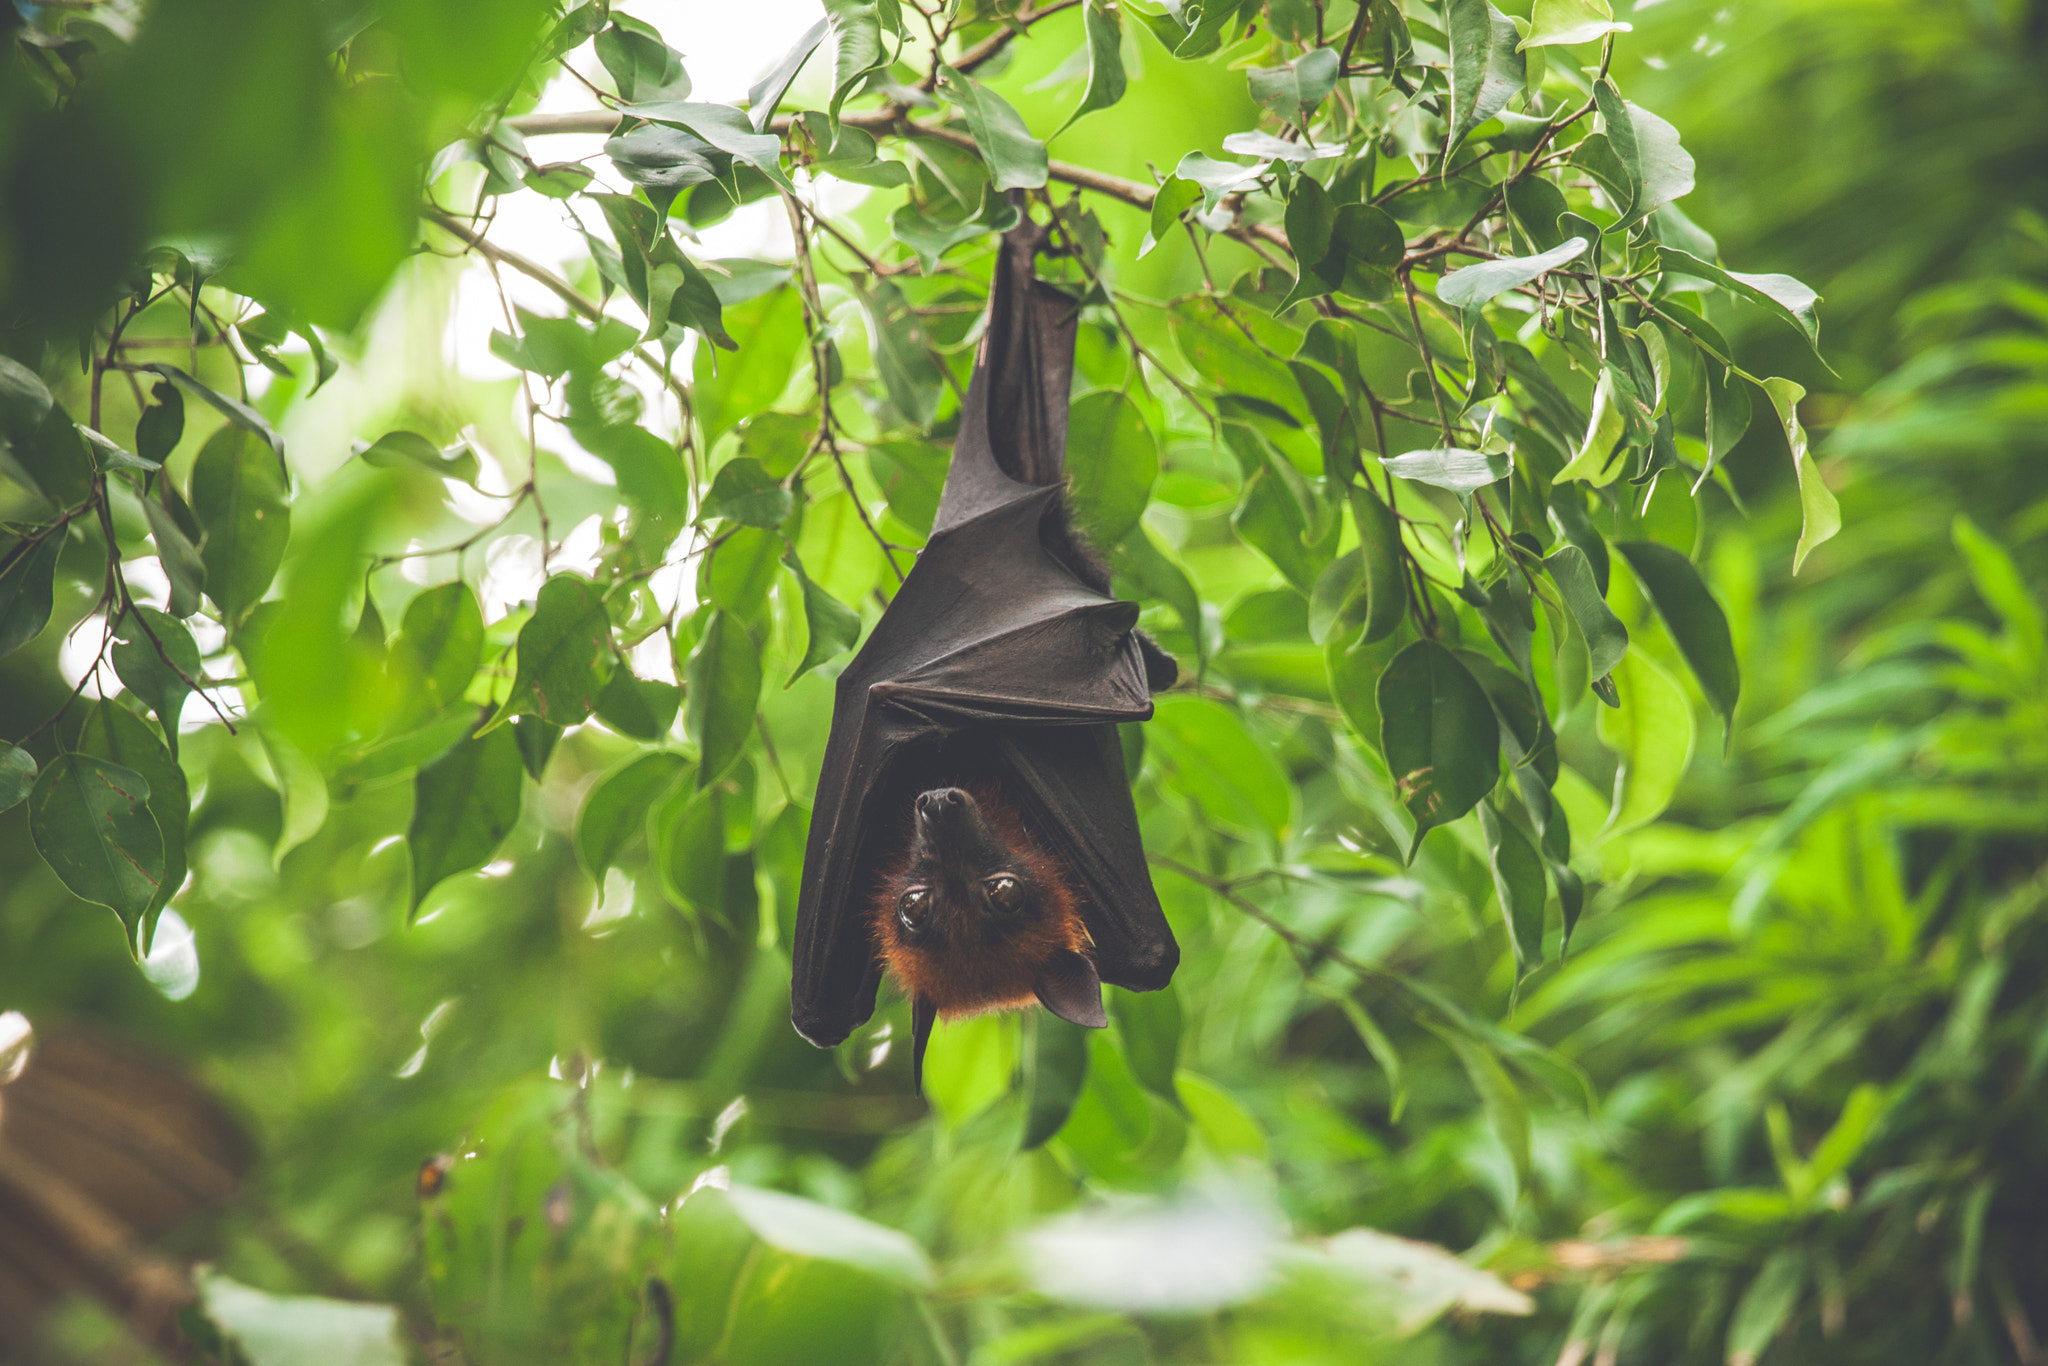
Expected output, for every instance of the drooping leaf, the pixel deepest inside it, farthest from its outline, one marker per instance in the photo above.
(565, 655)
(725, 128)
(765, 94)
(1292, 90)
(1695, 620)
(1487, 68)
(1820, 516)
(1781, 295)
(692, 842)
(181, 561)
(437, 649)
(1518, 885)
(237, 412)
(396, 450)
(1112, 461)
(617, 807)
(644, 708)
(1102, 25)
(108, 455)
(1606, 638)
(1379, 542)
(910, 376)
(1474, 285)
(1448, 468)
(241, 500)
(28, 575)
(830, 626)
(124, 739)
(856, 30)
(464, 804)
(150, 655)
(1149, 1025)
(17, 774)
(1567, 22)
(1058, 1070)
(746, 493)
(1657, 168)
(931, 236)
(724, 682)
(1016, 160)
(741, 571)
(1651, 733)
(91, 823)
(1439, 735)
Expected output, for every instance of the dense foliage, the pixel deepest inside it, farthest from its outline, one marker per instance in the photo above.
(440, 727)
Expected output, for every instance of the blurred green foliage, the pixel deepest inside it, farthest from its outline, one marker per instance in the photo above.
(1780, 1100)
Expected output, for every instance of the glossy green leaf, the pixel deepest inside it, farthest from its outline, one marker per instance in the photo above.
(1567, 22)
(401, 449)
(1175, 197)
(1487, 68)
(830, 626)
(690, 825)
(856, 33)
(1102, 26)
(153, 656)
(28, 574)
(1379, 541)
(1474, 285)
(725, 128)
(1657, 168)
(108, 455)
(617, 807)
(644, 708)
(1216, 762)
(741, 571)
(1518, 886)
(1016, 160)
(1058, 1070)
(1439, 736)
(124, 739)
(241, 500)
(724, 684)
(1149, 1025)
(17, 774)
(809, 1229)
(182, 563)
(1446, 468)
(909, 374)
(24, 399)
(730, 387)
(464, 804)
(1781, 295)
(765, 94)
(91, 823)
(1820, 516)
(565, 655)
(746, 493)
(1695, 620)
(1606, 638)
(437, 649)
(237, 412)
(1111, 463)
(1292, 91)
(1651, 734)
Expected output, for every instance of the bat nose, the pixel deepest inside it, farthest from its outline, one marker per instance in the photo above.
(940, 800)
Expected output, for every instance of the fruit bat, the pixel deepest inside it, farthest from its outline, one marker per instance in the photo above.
(973, 829)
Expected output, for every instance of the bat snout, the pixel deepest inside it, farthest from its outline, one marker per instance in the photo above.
(943, 806)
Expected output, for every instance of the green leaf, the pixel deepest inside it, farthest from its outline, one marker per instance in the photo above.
(237, 412)
(731, 388)
(830, 626)
(1487, 69)
(1016, 160)
(725, 128)
(644, 708)
(1102, 25)
(397, 450)
(1568, 22)
(809, 1229)
(1651, 733)
(739, 573)
(1139, 560)
(1780, 295)
(28, 576)
(1606, 638)
(162, 424)
(856, 30)
(1111, 462)
(617, 807)
(1474, 285)
(765, 94)
(1820, 516)
(17, 774)
(1214, 178)
(724, 681)
(1270, 519)
(1149, 1023)
(1518, 885)
(24, 399)
(1695, 620)
(1379, 543)
(1292, 91)
(1439, 736)
(242, 501)
(1449, 468)
(287, 1330)
(91, 823)
(565, 655)
(1597, 462)
(437, 649)
(464, 804)
(1767, 1305)
(1999, 583)
(1216, 763)
(139, 663)
(692, 844)
(910, 376)
(1338, 602)
(1311, 221)
(1058, 1068)
(1173, 199)
(1497, 1094)
(108, 455)
(182, 563)
(1659, 170)
(911, 477)
(124, 739)
(746, 493)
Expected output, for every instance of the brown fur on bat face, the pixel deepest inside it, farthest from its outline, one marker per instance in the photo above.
(978, 917)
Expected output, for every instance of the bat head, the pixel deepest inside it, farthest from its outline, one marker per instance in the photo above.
(978, 916)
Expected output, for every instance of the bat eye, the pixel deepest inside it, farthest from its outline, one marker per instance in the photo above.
(912, 909)
(1005, 891)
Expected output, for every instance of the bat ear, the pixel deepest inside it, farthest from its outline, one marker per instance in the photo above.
(1068, 987)
(922, 1013)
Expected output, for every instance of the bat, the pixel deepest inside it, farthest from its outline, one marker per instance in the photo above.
(973, 830)
(102, 1149)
